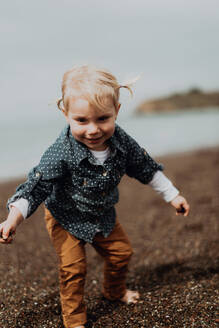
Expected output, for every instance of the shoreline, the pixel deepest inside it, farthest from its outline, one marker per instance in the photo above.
(20, 178)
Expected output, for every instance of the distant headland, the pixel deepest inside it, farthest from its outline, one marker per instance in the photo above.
(194, 98)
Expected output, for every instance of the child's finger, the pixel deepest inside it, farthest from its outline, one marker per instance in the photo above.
(180, 210)
(183, 209)
(8, 240)
(4, 234)
(187, 208)
(1, 233)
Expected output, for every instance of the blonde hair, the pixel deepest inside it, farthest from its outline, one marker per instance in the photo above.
(93, 84)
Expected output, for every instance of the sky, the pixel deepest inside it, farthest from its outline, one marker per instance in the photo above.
(173, 44)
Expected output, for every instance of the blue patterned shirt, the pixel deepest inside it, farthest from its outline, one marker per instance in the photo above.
(79, 193)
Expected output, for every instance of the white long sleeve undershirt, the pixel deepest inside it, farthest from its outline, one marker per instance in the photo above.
(160, 183)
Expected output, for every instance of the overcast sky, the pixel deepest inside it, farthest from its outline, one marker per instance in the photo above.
(172, 43)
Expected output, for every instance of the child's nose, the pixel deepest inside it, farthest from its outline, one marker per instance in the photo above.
(93, 128)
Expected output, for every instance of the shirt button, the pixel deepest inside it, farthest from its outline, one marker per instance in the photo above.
(37, 175)
(105, 173)
(84, 182)
(145, 153)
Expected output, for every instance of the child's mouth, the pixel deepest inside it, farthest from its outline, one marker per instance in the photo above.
(94, 140)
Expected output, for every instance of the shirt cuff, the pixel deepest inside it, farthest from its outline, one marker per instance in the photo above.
(163, 186)
(22, 205)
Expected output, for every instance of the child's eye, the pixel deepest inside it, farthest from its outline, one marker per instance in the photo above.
(103, 118)
(81, 119)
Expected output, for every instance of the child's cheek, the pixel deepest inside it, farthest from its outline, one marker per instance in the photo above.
(112, 128)
(76, 129)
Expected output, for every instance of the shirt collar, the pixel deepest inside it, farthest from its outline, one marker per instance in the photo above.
(81, 151)
(115, 143)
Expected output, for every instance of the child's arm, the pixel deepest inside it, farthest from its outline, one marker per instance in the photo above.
(162, 185)
(143, 168)
(38, 186)
(9, 226)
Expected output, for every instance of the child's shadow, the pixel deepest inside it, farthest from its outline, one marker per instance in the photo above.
(175, 272)
(145, 280)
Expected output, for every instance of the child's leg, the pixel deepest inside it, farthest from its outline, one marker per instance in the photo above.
(117, 251)
(72, 271)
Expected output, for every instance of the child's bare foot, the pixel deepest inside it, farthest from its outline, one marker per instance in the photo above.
(130, 297)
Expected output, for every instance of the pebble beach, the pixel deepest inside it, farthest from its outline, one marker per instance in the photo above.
(175, 266)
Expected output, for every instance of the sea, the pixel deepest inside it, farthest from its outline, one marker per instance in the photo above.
(25, 141)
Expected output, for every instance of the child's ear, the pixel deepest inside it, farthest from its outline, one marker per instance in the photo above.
(65, 114)
(117, 109)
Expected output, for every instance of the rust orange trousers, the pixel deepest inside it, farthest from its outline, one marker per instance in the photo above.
(116, 252)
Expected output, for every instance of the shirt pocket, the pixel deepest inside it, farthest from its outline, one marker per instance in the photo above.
(92, 186)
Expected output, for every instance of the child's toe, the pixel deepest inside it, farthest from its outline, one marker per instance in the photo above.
(130, 297)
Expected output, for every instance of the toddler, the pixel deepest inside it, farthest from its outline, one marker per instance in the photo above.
(77, 178)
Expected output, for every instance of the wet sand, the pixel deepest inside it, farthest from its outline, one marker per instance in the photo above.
(175, 265)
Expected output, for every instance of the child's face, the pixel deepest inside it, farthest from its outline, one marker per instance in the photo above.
(89, 125)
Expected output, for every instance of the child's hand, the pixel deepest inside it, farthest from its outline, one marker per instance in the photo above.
(181, 205)
(8, 227)
(6, 232)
